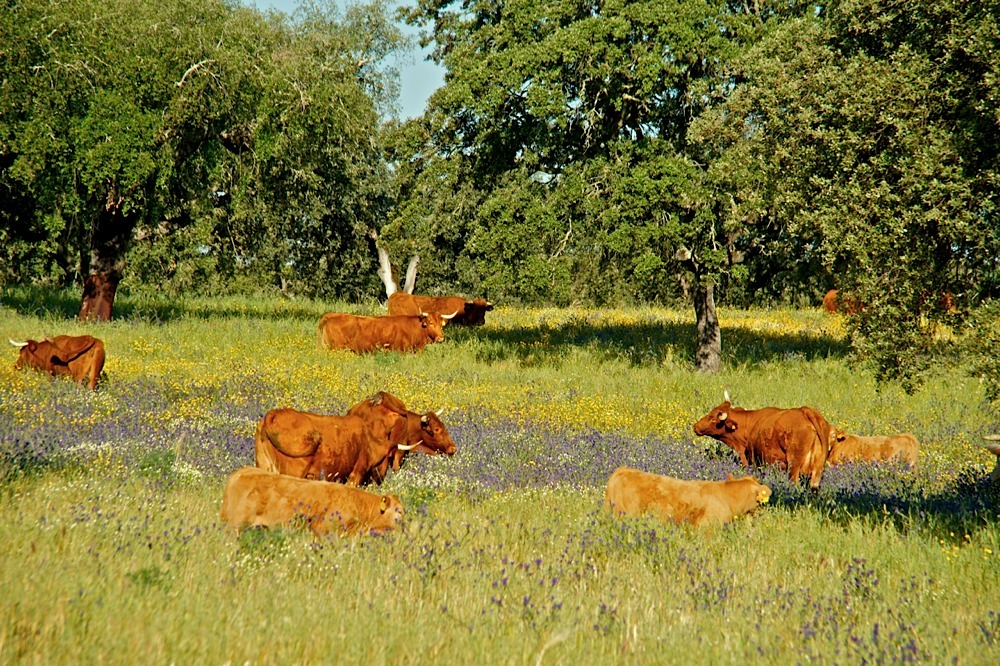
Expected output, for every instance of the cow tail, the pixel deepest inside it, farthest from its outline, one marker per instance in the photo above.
(822, 428)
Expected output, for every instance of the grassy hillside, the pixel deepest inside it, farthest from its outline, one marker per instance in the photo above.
(111, 549)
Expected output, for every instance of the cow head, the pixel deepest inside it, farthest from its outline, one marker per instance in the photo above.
(718, 422)
(390, 514)
(433, 325)
(753, 487)
(434, 437)
(474, 311)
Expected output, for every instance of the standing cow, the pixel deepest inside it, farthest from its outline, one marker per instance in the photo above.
(797, 439)
(256, 498)
(844, 447)
(348, 449)
(79, 356)
(362, 334)
(465, 312)
(425, 431)
(631, 492)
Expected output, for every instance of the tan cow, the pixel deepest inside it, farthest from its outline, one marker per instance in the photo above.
(256, 498)
(995, 450)
(78, 356)
(391, 333)
(632, 492)
(844, 447)
(464, 311)
(347, 449)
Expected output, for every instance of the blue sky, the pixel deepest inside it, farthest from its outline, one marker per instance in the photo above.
(418, 78)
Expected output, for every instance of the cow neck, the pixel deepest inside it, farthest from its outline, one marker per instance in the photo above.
(413, 425)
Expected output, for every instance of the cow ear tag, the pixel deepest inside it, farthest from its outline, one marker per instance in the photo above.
(730, 426)
(384, 505)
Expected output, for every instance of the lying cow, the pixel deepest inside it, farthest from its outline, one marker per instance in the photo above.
(346, 449)
(834, 302)
(465, 312)
(844, 447)
(425, 431)
(995, 450)
(256, 498)
(797, 439)
(634, 493)
(79, 356)
(393, 333)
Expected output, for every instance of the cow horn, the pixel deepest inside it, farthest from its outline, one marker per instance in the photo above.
(988, 438)
(408, 447)
(725, 395)
(447, 317)
(438, 412)
(18, 344)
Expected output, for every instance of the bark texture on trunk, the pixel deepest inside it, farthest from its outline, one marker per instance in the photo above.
(708, 352)
(98, 296)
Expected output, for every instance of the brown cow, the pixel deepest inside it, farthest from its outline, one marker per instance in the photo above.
(995, 450)
(394, 333)
(832, 302)
(464, 311)
(844, 447)
(426, 431)
(347, 449)
(798, 439)
(79, 356)
(256, 498)
(635, 493)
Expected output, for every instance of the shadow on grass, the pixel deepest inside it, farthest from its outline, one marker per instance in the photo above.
(65, 304)
(643, 344)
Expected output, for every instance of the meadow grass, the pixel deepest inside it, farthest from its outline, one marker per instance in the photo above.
(111, 549)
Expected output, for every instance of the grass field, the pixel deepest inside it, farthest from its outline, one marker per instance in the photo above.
(111, 549)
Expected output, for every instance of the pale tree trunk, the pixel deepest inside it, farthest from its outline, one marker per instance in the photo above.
(384, 266)
(708, 352)
(411, 274)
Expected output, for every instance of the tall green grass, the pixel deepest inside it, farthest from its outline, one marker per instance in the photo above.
(117, 556)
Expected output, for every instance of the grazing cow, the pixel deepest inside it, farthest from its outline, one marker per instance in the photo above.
(844, 447)
(995, 450)
(394, 333)
(465, 312)
(256, 498)
(425, 431)
(347, 449)
(634, 493)
(79, 356)
(798, 439)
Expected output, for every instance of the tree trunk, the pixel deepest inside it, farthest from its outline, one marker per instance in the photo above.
(111, 234)
(708, 354)
(384, 266)
(98, 296)
(411, 274)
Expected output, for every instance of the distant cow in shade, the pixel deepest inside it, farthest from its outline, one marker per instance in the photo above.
(995, 450)
(256, 498)
(79, 356)
(392, 333)
(631, 492)
(834, 302)
(424, 431)
(796, 439)
(844, 447)
(467, 312)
